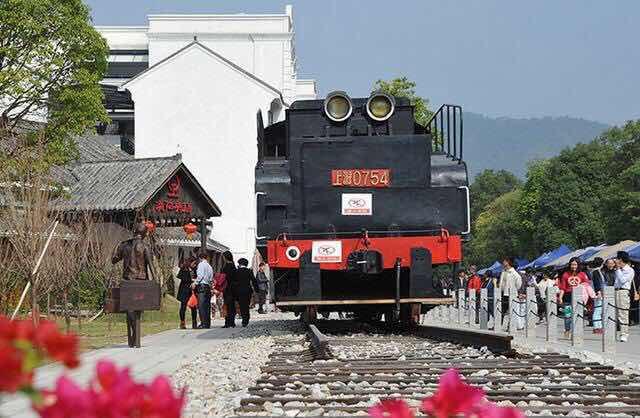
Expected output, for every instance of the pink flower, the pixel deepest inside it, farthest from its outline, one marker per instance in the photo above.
(491, 410)
(453, 397)
(163, 402)
(112, 394)
(391, 408)
(68, 400)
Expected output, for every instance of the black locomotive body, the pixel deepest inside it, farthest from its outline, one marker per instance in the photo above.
(356, 202)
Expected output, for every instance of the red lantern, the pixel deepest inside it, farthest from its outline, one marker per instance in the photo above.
(190, 229)
(151, 227)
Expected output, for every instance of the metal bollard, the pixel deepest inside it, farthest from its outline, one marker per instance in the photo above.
(552, 314)
(484, 309)
(471, 313)
(577, 315)
(497, 309)
(460, 306)
(531, 313)
(454, 313)
(609, 319)
(514, 310)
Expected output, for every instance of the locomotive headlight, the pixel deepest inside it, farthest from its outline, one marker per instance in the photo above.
(293, 253)
(337, 106)
(380, 106)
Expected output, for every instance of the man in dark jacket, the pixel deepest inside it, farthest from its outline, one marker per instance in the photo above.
(242, 286)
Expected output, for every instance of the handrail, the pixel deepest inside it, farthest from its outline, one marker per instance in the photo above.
(446, 129)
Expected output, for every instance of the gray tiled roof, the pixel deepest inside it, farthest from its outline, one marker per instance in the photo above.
(114, 99)
(96, 148)
(117, 184)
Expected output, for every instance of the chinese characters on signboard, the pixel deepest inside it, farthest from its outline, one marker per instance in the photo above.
(173, 202)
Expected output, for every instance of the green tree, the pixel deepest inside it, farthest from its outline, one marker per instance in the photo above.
(625, 140)
(622, 206)
(622, 199)
(403, 87)
(51, 61)
(562, 198)
(487, 186)
(497, 231)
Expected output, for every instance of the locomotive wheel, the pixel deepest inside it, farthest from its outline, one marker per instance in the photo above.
(390, 317)
(410, 315)
(309, 315)
(369, 316)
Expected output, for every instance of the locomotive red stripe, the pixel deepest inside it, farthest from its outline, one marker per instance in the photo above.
(444, 249)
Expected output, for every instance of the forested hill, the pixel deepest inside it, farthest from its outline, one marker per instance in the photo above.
(508, 143)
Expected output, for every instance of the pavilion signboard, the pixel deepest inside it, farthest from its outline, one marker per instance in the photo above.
(179, 199)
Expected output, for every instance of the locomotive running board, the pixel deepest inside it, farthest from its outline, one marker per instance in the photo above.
(424, 301)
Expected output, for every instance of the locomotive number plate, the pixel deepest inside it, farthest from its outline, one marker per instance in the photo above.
(376, 177)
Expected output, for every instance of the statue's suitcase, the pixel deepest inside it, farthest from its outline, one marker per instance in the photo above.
(133, 295)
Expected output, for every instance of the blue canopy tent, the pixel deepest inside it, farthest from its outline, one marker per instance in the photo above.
(495, 268)
(610, 251)
(520, 263)
(591, 251)
(562, 261)
(634, 252)
(548, 257)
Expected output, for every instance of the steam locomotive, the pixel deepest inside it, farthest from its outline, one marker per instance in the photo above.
(356, 203)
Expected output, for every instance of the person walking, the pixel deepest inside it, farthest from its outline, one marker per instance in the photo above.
(510, 282)
(570, 279)
(475, 282)
(609, 272)
(489, 283)
(243, 284)
(541, 295)
(229, 271)
(185, 275)
(623, 286)
(262, 287)
(217, 304)
(598, 283)
(202, 287)
(461, 281)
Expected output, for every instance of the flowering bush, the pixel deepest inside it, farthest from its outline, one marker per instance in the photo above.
(453, 398)
(111, 394)
(24, 346)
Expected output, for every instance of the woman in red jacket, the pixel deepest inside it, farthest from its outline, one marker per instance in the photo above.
(569, 280)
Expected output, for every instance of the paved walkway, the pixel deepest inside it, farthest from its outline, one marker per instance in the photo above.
(160, 353)
(626, 355)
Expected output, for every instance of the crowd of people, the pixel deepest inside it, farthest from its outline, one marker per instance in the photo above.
(618, 272)
(206, 293)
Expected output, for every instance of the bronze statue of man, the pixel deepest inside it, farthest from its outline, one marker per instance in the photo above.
(137, 264)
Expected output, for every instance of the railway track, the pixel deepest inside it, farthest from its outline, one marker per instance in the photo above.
(335, 372)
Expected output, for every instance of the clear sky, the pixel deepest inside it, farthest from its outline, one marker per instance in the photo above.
(497, 57)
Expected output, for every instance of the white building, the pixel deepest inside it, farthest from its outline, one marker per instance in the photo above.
(197, 83)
